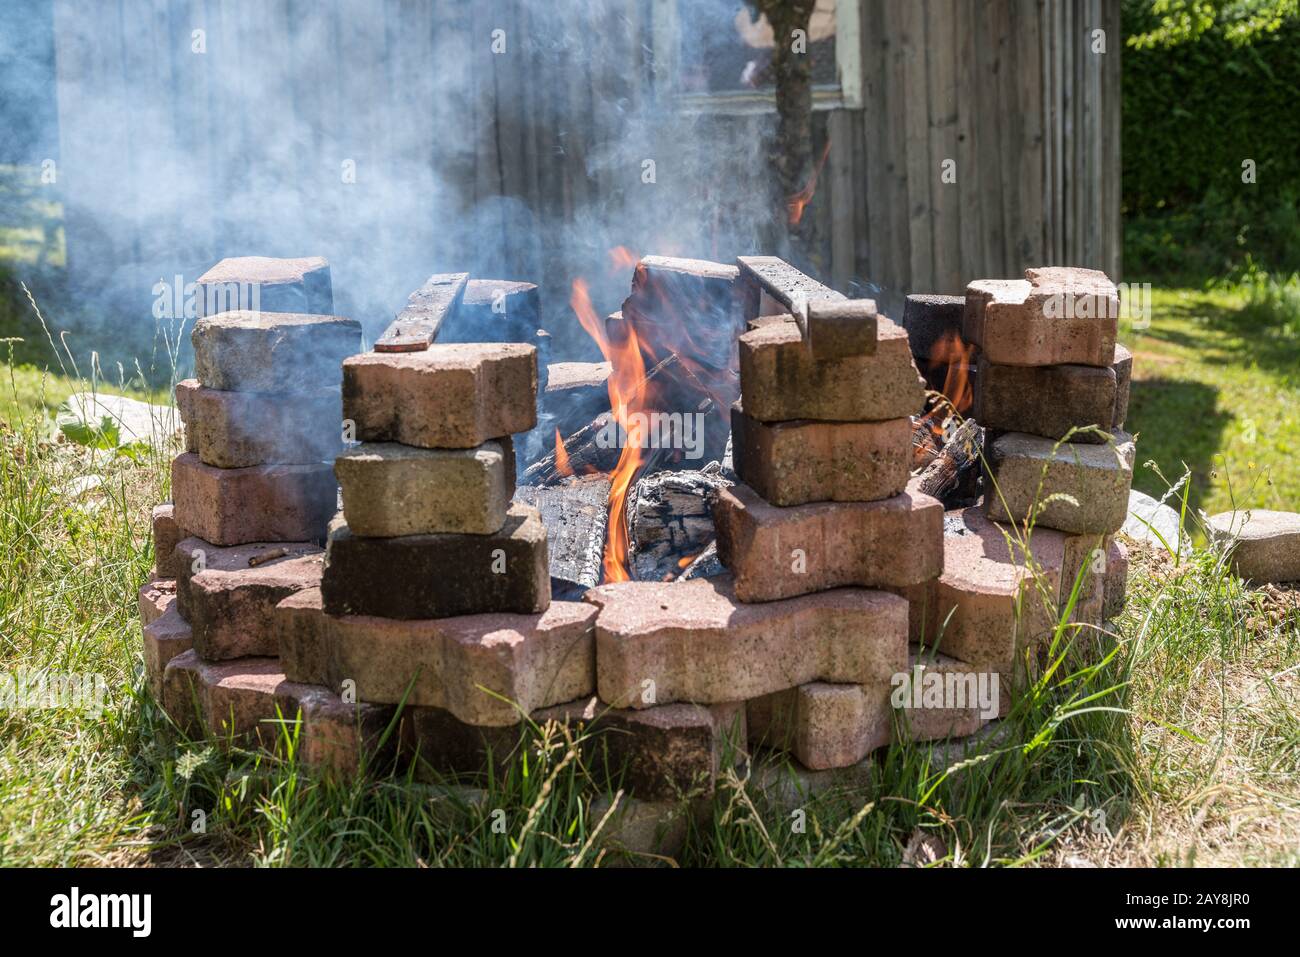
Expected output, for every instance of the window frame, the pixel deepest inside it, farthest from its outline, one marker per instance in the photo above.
(665, 31)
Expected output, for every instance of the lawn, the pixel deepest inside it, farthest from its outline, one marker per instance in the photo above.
(1217, 387)
(1172, 739)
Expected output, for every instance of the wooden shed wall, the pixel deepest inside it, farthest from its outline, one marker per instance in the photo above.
(409, 90)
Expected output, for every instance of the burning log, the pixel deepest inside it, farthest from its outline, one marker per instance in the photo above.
(927, 441)
(587, 449)
(951, 474)
(417, 325)
(706, 564)
(575, 513)
(670, 521)
(583, 452)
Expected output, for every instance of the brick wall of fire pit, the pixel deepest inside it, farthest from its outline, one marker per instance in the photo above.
(773, 520)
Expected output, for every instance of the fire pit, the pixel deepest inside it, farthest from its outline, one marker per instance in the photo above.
(768, 520)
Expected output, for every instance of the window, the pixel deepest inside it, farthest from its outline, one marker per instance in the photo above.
(716, 55)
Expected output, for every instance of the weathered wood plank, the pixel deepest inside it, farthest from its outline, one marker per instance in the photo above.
(942, 45)
(417, 325)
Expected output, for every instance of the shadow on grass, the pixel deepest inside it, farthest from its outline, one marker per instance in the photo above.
(1179, 422)
(1251, 335)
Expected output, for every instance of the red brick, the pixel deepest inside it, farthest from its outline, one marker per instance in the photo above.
(165, 637)
(249, 701)
(938, 720)
(1056, 317)
(922, 609)
(233, 430)
(993, 600)
(484, 669)
(194, 555)
(273, 352)
(166, 535)
(658, 642)
(781, 552)
(793, 463)
(265, 503)
(780, 380)
(231, 608)
(454, 396)
(1050, 401)
(824, 725)
(155, 597)
(656, 753)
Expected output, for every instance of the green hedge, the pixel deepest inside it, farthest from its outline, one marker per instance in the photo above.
(1192, 113)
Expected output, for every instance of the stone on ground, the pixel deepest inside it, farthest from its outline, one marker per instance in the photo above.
(131, 420)
(1265, 544)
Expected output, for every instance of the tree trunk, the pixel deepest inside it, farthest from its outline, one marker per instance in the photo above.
(792, 154)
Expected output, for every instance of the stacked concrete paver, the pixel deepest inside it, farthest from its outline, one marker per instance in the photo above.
(1052, 394)
(822, 444)
(253, 495)
(432, 592)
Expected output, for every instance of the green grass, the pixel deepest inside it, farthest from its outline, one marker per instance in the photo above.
(1171, 740)
(1217, 387)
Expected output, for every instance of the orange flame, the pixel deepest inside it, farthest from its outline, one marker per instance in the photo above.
(625, 399)
(562, 466)
(621, 258)
(796, 204)
(951, 351)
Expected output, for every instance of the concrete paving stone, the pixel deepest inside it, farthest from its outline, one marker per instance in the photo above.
(453, 396)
